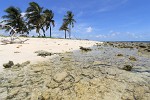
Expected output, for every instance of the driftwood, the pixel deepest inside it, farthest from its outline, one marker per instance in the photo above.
(12, 42)
(13, 36)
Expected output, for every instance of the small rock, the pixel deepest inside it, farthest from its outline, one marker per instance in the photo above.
(43, 53)
(59, 77)
(148, 50)
(142, 46)
(132, 58)
(9, 64)
(127, 67)
(119, 55)
(85, 49)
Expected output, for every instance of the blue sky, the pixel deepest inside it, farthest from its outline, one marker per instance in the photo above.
(103, 20)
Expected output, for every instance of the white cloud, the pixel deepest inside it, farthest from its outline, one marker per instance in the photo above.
(79, 14)
(134, 35)
(109, 35)
(102, 10)
(101, 36)
(122, 36)
(109, 5)
(61, 10)
(89, 29)
(23, 14)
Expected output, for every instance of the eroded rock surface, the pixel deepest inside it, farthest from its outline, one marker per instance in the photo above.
(94, 75)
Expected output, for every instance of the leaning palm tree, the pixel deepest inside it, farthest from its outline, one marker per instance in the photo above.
(65, 28)
(68, 19)
(49, 15)
(35, 17)
(14, 19)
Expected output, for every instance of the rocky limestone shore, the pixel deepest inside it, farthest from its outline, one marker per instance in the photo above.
(97, 74)
(141, 46)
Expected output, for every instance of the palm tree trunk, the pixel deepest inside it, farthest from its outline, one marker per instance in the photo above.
(70, 31)
(50, 32)
(65, 34)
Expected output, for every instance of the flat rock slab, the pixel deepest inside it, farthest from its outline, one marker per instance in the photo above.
(59, 77)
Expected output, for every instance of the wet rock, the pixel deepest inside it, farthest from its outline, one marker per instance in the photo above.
(43, 53)
(142, 46)
(148, 50)
(132, 58)
(127, 67)
(120, 55)
(126, 46)
(8, 65)
(85, 49)
(59, 77)
(100, 63)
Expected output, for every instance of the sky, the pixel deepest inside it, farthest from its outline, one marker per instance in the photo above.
(101, 20)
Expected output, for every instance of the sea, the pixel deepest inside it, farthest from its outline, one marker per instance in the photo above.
(129, 41)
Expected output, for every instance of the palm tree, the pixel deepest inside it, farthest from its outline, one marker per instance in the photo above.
(65, 28)
(49, 15)
(15, 20)
(68, 19)
(35, 17)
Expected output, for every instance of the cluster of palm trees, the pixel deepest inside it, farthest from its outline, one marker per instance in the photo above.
(35, 17)
(68, 21)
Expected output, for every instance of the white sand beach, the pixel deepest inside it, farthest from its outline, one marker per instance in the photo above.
(19, 53)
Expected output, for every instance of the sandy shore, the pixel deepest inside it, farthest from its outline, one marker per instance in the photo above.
(19, 53)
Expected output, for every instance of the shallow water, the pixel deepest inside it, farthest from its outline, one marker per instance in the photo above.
(108, 55)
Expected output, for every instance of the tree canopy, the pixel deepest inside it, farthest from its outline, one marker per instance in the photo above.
(36, 17)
